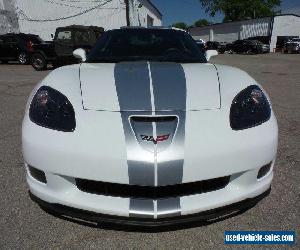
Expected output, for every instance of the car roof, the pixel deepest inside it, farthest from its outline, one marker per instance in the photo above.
(80, 27)
(150, 28)
(18, 34)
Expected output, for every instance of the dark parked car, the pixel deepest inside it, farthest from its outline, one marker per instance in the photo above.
(248, 47)
(292, 46)
(221, 48)
(66, 40)
(17, 47)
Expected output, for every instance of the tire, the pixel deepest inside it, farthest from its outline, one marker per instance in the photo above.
(38, 62)
(23, 58)
(249, 52)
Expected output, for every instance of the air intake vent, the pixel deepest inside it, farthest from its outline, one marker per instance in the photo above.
(37, 174)
(264, 170)
(153, 118)
(148, 192)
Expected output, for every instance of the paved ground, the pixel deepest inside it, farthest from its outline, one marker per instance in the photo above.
(23, 225)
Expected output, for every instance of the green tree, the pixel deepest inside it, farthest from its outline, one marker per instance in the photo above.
(180, 25)
(201, 22)
(236, 10)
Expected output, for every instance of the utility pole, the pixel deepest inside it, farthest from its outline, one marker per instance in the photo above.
(127, 12)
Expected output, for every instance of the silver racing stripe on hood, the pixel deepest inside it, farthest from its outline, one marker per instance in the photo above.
(133, 90)
(132, 85)
(169, 86)
(169, 90)
(152, 90)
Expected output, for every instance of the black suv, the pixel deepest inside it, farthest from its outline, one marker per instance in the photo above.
(248, 47)
(17, 47)
(66, 40)
(213, 45)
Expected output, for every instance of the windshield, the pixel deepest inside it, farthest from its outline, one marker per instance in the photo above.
(258, 42)
(33, 38)
(164, 45)
(252, 42)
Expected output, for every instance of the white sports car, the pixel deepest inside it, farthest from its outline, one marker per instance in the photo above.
(146, 132)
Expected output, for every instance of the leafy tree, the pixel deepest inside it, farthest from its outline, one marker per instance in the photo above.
(236, 10)
(201, 22)
(180, 25)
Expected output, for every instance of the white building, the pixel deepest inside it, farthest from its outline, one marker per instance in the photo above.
(8, 17)
(272, 30)
(42, 17)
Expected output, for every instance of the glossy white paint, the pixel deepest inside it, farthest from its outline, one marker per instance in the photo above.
(80, 54)
(99, 92)
(210, 53)
(96, 150)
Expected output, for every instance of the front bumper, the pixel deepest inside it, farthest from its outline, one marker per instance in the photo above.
(210, 215)
(64, 191)
(97, 154)
(292, 49)
(265, 50)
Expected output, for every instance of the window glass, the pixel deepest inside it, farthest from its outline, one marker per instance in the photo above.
(81, 37)
(146, 44)
(64, 35)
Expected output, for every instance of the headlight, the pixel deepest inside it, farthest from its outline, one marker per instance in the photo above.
(51, 109)
(249, 108)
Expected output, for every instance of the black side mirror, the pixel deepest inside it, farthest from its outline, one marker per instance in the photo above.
(52, 36)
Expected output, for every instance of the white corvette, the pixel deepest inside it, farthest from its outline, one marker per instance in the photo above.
(146, 132)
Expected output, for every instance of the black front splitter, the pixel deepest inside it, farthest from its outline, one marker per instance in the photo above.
(209, 215)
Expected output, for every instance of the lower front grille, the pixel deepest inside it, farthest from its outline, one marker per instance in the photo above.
(148, 192)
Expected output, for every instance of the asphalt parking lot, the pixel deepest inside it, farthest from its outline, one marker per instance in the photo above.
(23, 225)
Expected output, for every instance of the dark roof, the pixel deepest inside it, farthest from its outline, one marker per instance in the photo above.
(18, 34)
(148, 28)
(81, 27)
(149, 1)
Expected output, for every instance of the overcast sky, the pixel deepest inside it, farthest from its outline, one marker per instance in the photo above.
(189, 11)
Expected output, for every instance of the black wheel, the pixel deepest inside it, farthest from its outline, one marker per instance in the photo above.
(249, 52)
(38, 62)
(23, 58)
(221, 51)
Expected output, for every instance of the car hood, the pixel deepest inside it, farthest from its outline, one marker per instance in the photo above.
(154, 86)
